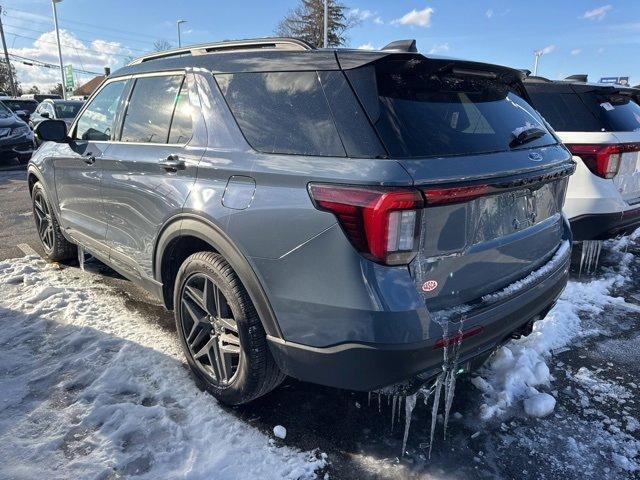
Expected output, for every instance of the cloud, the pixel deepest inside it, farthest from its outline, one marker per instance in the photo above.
(547, 50)
(366, 46)
(439, 48)
(600, 50)
(378, 21)
(597, 14)
(576, 51)
(93, 57)
(360, 14)
(418, 18)
(489, 13)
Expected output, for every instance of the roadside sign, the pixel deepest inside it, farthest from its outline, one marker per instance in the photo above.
(69, 82)
(615, 80)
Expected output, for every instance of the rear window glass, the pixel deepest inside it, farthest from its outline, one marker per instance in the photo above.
(282, 112)
(565, 112)
(616, 112)
(16, 105)
(67, 110)
(419, 112)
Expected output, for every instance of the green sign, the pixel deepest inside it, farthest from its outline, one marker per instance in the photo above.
(69, 83)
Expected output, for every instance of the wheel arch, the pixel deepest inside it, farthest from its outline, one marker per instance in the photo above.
(185, 234)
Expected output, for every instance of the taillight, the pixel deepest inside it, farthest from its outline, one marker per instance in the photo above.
(443, 196)
(603, 160)
(381, 223)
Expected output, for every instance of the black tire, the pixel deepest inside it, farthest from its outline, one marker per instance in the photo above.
(56, 247)
(255, 372)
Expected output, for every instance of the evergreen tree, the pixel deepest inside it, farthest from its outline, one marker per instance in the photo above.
(306, 22)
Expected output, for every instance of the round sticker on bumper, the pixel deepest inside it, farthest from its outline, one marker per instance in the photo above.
(429, 285)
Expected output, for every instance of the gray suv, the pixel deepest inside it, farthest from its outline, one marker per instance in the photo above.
(324, 214)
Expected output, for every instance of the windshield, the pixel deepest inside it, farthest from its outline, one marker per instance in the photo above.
(16, 105)
(67, 109)
(419, 112)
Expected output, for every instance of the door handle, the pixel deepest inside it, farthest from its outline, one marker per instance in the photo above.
(172, 163)
(89, 159)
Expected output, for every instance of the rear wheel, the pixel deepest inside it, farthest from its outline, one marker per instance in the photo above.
(220, 331)
(55, 246)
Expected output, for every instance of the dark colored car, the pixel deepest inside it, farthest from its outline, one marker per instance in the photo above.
(16, 138)
(53, 109)
(21, 107)
(600, 124)
(339, 216)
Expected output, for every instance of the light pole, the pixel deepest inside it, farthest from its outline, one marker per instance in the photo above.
(538, 54)
(326, 23)
(12, 84)
(178, 26)
(55, 21)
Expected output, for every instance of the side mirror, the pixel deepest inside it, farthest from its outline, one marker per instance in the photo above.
(45, 114)
(52, 131)
(23, 115)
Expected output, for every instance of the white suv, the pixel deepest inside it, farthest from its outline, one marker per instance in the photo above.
(600, 124)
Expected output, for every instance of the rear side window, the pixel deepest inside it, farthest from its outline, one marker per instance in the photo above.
(421, 112)
(616, 112)
(96, 122)
(151, 106)
(565, 112)
(282, 112)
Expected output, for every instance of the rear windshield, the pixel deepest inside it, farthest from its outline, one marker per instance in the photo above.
(591, 111)
(16, 105)
(419, 112)
(67, 110)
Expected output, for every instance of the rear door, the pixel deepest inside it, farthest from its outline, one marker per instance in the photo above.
(494, 200)
(152, 166)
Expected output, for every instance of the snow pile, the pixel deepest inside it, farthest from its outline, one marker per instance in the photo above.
(89, 389)
(539, 405)
(518, 369)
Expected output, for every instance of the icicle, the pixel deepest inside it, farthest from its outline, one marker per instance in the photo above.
(434, 409)
(379, 403)
(409, 404)
(369, 400)
(595, 268)
(393, 412)
(81, 257)
(582, 255)
(399, 407)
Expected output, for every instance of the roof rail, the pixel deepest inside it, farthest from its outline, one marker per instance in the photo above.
(535, 78)
(581, 77)
(250, 44)
(401, 46)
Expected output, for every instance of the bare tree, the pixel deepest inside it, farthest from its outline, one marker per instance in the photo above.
(57, 90)
(306, 22)
(34, 90)
(161, 45)
(5, 85)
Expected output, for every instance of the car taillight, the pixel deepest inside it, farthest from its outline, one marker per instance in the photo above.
(443, 196)
(381, 223)
(603, 160)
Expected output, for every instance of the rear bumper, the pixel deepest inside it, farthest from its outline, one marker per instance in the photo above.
(370, 366)
(22, 146)
(601, 226)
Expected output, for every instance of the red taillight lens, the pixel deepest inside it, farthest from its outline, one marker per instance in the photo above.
(603, 160)
(443, 196)
(381, 223)
(458, 337)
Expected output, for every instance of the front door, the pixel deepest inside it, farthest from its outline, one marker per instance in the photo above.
(78, 170)
(149, 172)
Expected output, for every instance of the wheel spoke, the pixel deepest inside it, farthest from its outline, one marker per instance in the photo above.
(229, 324)
(196, 341)
(194, 316)
(217, 362)
(210, 297)
(196, 297)
(230, 339)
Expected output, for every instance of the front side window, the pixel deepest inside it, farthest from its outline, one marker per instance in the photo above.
(96, 122)
(282, 112)
(150, 109)
(420, 111)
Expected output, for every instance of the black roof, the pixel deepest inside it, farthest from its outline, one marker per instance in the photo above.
(274, 60)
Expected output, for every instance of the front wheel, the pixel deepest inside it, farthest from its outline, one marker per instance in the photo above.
(56, 247)
(220, 331)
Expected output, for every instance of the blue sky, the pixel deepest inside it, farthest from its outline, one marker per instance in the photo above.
(600, 38)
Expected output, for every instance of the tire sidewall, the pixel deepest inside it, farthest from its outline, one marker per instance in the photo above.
(38, 188)
(235, 391)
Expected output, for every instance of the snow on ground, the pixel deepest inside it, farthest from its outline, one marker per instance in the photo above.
(89, 389)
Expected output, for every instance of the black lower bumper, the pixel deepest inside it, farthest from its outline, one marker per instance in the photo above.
(16, 149)
(367, 367)
(602, 226)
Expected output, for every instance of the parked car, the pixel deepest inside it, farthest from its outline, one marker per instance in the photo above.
(54, 109)
(600, 124)
(16, 138)
(314, 213)
(22, 107)
(39, 97)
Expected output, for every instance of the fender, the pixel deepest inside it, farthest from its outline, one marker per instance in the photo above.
(193, 225)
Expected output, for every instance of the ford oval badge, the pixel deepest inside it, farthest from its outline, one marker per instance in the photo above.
(535, 157)
(429, 285)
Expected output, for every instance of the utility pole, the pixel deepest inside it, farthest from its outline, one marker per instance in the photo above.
(55, 21)
(12, 84)
(538, 54)
(178, 26)
(326, 24)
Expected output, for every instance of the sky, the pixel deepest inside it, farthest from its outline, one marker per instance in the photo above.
(599, 38)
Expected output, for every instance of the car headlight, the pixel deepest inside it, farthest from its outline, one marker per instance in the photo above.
(24, 130)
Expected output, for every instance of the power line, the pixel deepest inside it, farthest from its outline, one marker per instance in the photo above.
(33, 62)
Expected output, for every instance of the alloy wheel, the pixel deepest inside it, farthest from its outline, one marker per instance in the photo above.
(44, 223)
(210, 331)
